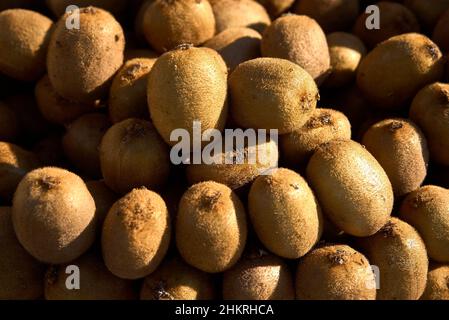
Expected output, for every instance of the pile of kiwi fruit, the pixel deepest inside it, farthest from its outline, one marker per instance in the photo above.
(353, 203)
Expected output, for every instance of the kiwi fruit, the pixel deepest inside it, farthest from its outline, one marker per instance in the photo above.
(276, 7)
(427, 210)
(9, 124)
(335, 272)
(400, 254)
(81, 62)
(15, 163)
(199, 76)
(58, 7)
(285, 213)
(283, 101)
(430, 111)
(395, 19)
(20, 274)
(440, 35)
(104, 199)
(55, 108)
(401, 149)
(176, 280)
(323, 126)
(428, 11)
(139, 20)
(54, 215)
(346, 51)
(128, 94)
(24, 38)
(136, 234)
(332, 15)
(82, 140)
(236, 45)
(168, 24)
(132, 155)
(391, 74)
(211, 227)
(437, 287)
(258, 276)
(96, 282)
(352, 188)
(307, 48)
(240, 13)
(258, 159)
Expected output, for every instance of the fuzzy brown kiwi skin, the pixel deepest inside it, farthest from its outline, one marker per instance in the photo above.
(176, 280)
(279, 102)
(182, 70)
(168, 24)
(24, 45)
(281, 40)
(440, 34)
(15, 163)
(236, 45)
(82, 140)
(346, 51)
(390, 83)
(395, 19)
(55, 108)
(139, 20)
(70, 55)
(276, 7)
(258, 276)
(437, 283)
(331, 15)
(96, 282)
(136, 234)
(351, 186)
(323, 126)
(282, 203)
(430, 111)
(240, 13)
(237, 175)
(54, 215)
(427, 209)
(58, 7)
(20, 274)
(335, 272)
(211, 228)
(400, 254)
(132, 154)
(401, 149)
(128, 95)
